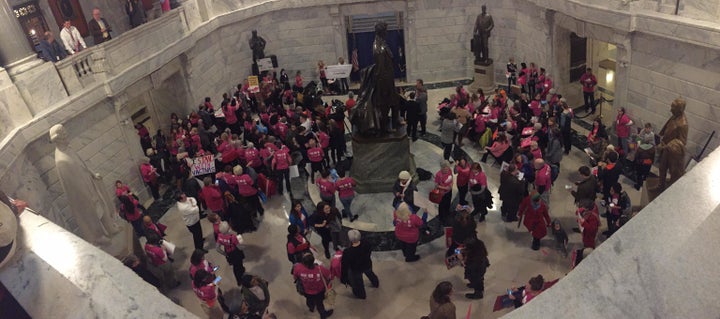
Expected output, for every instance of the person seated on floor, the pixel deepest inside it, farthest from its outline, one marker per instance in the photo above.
(532, 289)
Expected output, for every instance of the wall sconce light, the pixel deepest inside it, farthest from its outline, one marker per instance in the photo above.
(609, 76)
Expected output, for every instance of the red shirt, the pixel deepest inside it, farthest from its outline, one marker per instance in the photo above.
(345, 187)
(324, 139)
(543, 178)
(463, 174)
(535, 107)
(230, 117)
(588, 82)
(327, 187)
(122, 190)
(444, 179)
(156, 254)
(228, 241)
(205, 293)
(282, 159)
(311, 280)
(408, 231)
(148, 173)
(131, 213)
(245, 186)
(315, 154)
(478, 178)
(204, 265)
(349, 104)
(622, 129)
(252, 156)
(213, 197)
(298, 81)
(302, 245)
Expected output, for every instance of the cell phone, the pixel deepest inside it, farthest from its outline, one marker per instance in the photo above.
(509, 291)
(216, 268)
(217, 280)
(458, 251)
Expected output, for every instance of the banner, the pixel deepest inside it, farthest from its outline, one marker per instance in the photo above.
(265, 64)
(338, 71)
(254, 84)
(203, 165)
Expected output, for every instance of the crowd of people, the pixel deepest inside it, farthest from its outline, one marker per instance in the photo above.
(259, 140)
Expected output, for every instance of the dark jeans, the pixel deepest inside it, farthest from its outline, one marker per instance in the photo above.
(315, 167)
(567, 140)
(344, 87)
(422, 119)
(283, 174)
(479, 206)
(408, 250)
(412, 128)
(347, 202)
(444, 208)
(316, 301)
(462, 193)
(357, 283)
(642, 172)
(154, 189)
(589, 98)
(138, 227)
(196, 231)
(611, 220)
(447, 150)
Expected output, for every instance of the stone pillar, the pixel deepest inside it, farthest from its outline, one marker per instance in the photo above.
(411, 64)
(14, 44)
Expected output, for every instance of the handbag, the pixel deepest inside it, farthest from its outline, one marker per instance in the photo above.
(169, 247)
(294, 171)
(435, 196)
(330, 293)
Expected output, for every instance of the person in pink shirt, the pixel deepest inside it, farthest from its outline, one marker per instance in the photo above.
(212, 196)
(463, 176)
(298, 87)
(346, 191)
(150, 226)
(314, 279)
(229, 241)
(543, 179)
(535, 150)
(327, 188)
(500, 149)
(324, 141)
(122, 189)
(589, 82)
(316, 156)
(197, 262)
(622, 129)
(158, 257)
(535, 106)
(444, 182)
(336, 264)
(248, 191)
(478, 184)
(130, 211)
(150, 177)
(230, 154)
(252, 156)
(281, 163)
(231, 119)
(407, 230)
(205, 288)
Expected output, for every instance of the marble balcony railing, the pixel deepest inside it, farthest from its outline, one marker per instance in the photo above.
(55, 274)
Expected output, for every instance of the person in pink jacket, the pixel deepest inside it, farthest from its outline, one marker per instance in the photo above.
(543, 179)
(622, 129)
(314, 278)
(281, 165)
(407, 230)
(150, 177)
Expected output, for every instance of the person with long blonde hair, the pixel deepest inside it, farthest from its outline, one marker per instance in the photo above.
(407, 230)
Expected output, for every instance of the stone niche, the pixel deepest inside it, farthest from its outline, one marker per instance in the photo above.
(378, 161)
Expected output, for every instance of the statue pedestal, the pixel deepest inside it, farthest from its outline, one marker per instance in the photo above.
(484, 78)
(378, 161)
(650, 191)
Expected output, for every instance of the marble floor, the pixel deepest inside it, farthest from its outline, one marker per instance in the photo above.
(404, 287)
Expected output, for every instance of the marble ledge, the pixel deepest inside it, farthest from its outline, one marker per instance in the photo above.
(55, 274)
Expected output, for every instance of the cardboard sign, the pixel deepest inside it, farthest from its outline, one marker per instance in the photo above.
(254, 84)
(338, 71)
(203, 165)
(265, 64)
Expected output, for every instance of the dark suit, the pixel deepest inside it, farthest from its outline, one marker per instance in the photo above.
(96, 33)
(51, 51)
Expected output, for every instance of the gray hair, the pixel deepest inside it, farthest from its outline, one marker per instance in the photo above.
(354, 235)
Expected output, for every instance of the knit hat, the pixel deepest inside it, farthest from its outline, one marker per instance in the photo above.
(404, 175)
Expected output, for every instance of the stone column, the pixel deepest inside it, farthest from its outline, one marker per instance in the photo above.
(410, 46)
(14, 44)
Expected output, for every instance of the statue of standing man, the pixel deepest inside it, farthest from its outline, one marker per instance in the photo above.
(481, 34)
(87, 197)
(257, 45)
(672, 145)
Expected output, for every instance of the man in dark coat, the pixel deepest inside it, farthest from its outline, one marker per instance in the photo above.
(99, 28)
(512, 192)
(412, 115)
(50, 49)
(586, 188)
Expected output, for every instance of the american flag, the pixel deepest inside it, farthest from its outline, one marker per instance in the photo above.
(354, 60)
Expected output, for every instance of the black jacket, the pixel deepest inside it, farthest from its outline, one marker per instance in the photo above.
(356, 259)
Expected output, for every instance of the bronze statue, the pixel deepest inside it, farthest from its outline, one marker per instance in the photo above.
(257, 45)
(481, 34)
(377, 91)
(672, 145)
